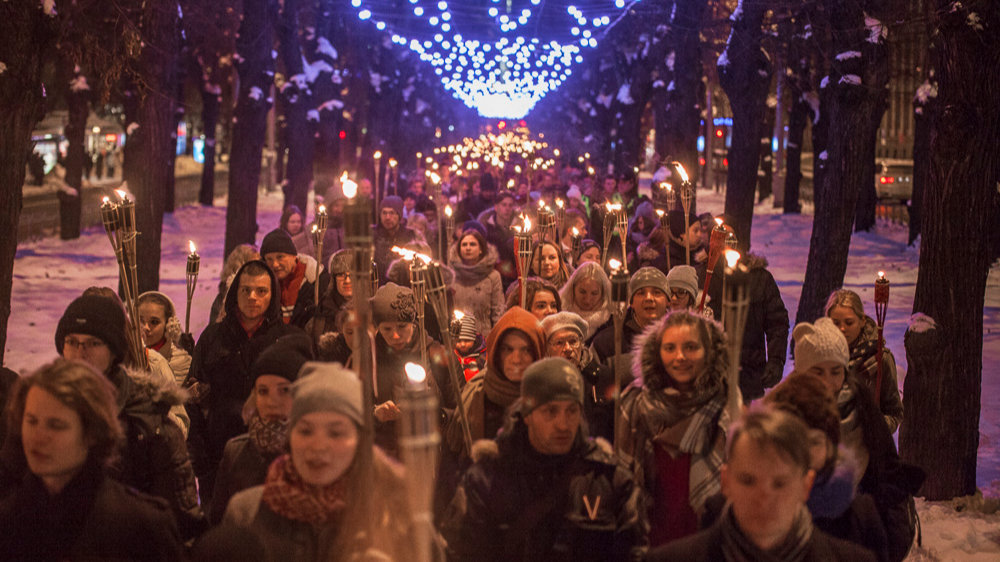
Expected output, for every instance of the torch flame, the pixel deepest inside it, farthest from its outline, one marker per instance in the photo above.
(350, 188)
(681, 171)
(415, 373)
(191, 246)
(377, 155)
(322, 209)
(426, 259)
(314, 228)
(527, 224)
(718, 221)
(614, 264)
(459, 315)
(541, 203)
(667, 186)
(881, 275)
(575, 231)
(732, 257)
(121, 193)
(407, 254)
(659, 212)
(559, 203)
(447, 210)
(105, 201)
(392, 162)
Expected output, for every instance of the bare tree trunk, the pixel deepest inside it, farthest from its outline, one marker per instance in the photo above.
(256, 69)
(170, 193)
(327, 92)
(801, 109)
(857, 86)
(765, 181)
(211, 99)
(147, 153)
(921, 157)
(296, 102)
(77, 98)
(940, 432)
(26, 38)
(685, 100)
(745, 76)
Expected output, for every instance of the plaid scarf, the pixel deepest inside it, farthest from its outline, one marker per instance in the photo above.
(736, 547)
(268, 437)
(288, 496)
(847, 405)
(694, 423)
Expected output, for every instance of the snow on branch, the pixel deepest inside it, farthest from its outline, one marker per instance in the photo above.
(850, 79)
(131, 128)
(973, 21)
(848, 55)
(625, 94)
(79, 84)
(920, 323)
(925, 92)
(323, 47)
(723, 59)
(255, 93)
(876, 31)
(49, 7)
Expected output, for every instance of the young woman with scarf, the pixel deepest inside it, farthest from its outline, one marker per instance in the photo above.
(674, 420)
(246, 458)
(844, 307)
(478, 289)
(317, 501)
(821, 351)
(588, 294)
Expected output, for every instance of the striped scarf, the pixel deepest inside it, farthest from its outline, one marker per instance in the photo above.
(736, 547)
(288, 496)
(691, 423)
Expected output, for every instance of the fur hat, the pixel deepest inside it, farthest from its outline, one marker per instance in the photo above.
(283, 358)
(393, 303)
(326, 387)
(818, 343)
(95, 316)
(648, 277)
(548, 380)
(277, 242)
(340, 262)
(564, 321)
(393, 202)
(683, 277)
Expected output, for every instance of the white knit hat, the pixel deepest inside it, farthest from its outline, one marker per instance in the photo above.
(564, 321)
(818, 343)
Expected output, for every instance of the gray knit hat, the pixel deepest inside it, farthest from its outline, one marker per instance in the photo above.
(564, 321)
(326, 387)
(548, 380)
(647, 277)
(392, 202)
(340, 262)
(818, 343)
(393, 303)
(683, 277)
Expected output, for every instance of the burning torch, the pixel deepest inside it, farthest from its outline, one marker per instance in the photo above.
(449, 231)
(418, 284)
(377, 157)
(394, 170)
(358, 238)
(437, 295)
(610, 223)
(418, 443)
(881, 307)
(687, 195)
(576, 244)
(193, 265)
(119, 225)
(621, 217)
(546, 221)
(560, 219)
(619, 297)
(715, 248)
(522, 238)
(319, 232)
(735, 304)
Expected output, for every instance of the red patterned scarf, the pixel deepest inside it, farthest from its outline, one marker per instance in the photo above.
(287, 495)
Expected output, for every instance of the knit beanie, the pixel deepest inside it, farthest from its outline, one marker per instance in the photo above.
(283, 358)
(277, 241)
(676, 223)
(467, 332)
(548, 380)
(340, 262)
(645, 210)
(574, 193)
(564, 321)
(683, 277)
(587, 244)
(648, 277)
(393, 303)
(818, 343)
(474, 225)
(393, 202)
(95, 316)
(326, 387)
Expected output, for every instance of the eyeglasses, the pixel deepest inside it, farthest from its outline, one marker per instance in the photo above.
(679, 293)
(565, 344)
(93, 343)
(344, 275)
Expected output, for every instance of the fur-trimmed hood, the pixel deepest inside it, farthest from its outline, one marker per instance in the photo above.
(648, 368)
(753, 261)
(141, 391)
(473, 274)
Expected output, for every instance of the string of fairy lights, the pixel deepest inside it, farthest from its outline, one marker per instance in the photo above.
(500, 62)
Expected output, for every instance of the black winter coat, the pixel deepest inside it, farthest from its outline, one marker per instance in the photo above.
(765, 340)
(707, 546)
(603, 341)
(92, 518)
(503, 238)
(222, 359)
(586, 507)
(598, 399)
(242, 467)
(155, 457)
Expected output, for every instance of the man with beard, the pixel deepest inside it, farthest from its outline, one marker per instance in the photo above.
(390, 232)
(542, 491)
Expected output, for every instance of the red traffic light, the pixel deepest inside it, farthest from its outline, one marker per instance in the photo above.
(887, 179)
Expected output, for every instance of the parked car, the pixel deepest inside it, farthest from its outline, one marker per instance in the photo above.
(894, 180)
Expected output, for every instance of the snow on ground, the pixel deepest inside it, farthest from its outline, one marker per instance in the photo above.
(49, 273)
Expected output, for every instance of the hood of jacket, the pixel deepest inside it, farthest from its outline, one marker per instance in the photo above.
(273, 313)
(648, 369)
(516, 318)
(753, 261)
(140, 392)
(472, 274)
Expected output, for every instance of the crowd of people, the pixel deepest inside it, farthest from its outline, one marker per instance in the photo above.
(601, 430)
